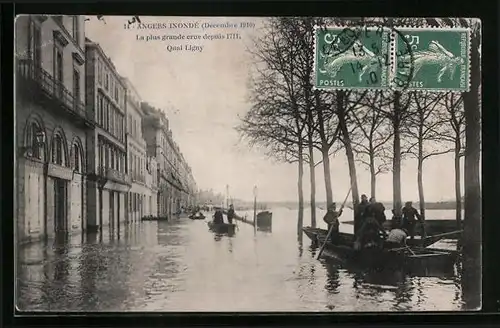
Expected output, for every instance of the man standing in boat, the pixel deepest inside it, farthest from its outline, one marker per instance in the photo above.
(359, 214)
(410, 217)
(230, 214)
(218, 216)
(332, 220)
(376, 210)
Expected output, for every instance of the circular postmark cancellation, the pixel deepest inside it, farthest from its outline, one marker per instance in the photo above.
(362, 57)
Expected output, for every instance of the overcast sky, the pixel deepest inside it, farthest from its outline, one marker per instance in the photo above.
(203, 93)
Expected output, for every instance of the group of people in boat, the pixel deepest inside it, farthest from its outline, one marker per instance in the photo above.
(369, 219)
(218, 217)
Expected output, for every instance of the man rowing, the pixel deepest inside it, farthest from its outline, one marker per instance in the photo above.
(331, 218)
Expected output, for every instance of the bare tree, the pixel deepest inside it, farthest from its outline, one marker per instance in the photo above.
(423, 129)
(371, 143)
(455, 134)
(472, 206)
(277, 119)
(346, 103)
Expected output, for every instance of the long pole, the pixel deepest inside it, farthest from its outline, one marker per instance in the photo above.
(331, 227)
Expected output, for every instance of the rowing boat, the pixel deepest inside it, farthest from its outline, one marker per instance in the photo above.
(417, 242)
(197, 217)
(222, 228)
(376, 257)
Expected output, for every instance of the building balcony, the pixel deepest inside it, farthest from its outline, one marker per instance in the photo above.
(118, 176)
(137, 178)
(42, 86)
(105, 174)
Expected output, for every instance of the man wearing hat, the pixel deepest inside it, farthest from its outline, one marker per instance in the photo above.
(410, 217)
(332, 220)
(230, 214)
(359, 213)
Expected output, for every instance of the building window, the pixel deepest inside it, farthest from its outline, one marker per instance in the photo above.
(99, 71)
(76, 29)
(76, 85)
(116, 93)
(112, 121)
(77, 158)
(106, 81)
(32, 141)
(35, 44)
(57, 150)
(58, 69)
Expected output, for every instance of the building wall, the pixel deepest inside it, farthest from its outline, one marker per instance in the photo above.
(106, 94)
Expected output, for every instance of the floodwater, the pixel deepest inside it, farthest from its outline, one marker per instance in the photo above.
(181, 266)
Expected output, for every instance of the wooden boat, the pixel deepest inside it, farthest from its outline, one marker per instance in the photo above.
(432, 227)
(197, 217)
(228, 228)
(408, 256)
(417, 242)
(154, 218)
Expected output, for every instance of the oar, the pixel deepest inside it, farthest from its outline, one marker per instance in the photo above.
(331, 227)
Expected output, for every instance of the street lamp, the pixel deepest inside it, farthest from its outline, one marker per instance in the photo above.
(39, 141)
(254, 205)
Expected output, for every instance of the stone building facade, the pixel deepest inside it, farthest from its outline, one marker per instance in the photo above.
(108, 182)
(139, 196)
(175, 180)
(51, 121)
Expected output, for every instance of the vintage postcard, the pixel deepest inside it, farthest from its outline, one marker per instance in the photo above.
(176, 164)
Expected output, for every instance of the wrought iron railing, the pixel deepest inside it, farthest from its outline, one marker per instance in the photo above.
(36, 76)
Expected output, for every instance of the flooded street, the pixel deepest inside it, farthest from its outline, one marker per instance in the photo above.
(181, 266)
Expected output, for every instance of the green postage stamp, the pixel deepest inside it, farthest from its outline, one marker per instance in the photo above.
(437, 59)
(407, 58)
(352, 58)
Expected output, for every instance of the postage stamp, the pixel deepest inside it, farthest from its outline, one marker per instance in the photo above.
(439, 57)
(352, 58)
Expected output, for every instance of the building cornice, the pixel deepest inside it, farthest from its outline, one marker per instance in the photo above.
(91, 44)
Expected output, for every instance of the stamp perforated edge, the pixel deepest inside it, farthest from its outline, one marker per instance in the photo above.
(431, 28)
(315, 76)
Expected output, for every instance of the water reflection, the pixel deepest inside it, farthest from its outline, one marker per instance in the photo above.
(182, 266)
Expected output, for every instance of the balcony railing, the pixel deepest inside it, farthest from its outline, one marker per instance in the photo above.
(113, 175)
(137, 177)
(37, 78)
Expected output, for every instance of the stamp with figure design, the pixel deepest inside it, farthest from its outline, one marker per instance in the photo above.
(440, 58)
(352, 58)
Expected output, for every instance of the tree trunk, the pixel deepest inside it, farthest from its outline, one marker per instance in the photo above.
(420, 180)
(472, 206)
(458, 187)
(396, 165)
(300, 220)
(312, 170)
(328, 178)
(348, 149)
(373, 177)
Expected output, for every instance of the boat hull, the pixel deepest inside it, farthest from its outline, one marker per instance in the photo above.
(222, 228)
(416, 258)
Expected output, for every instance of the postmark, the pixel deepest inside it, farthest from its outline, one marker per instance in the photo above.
(352, 57)
(440, 58)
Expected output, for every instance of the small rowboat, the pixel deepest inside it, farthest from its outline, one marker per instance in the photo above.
(197, 217)
(425, 242)
(222, 228)
(382, 258)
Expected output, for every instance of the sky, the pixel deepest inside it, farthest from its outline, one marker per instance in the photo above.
(204, 93)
